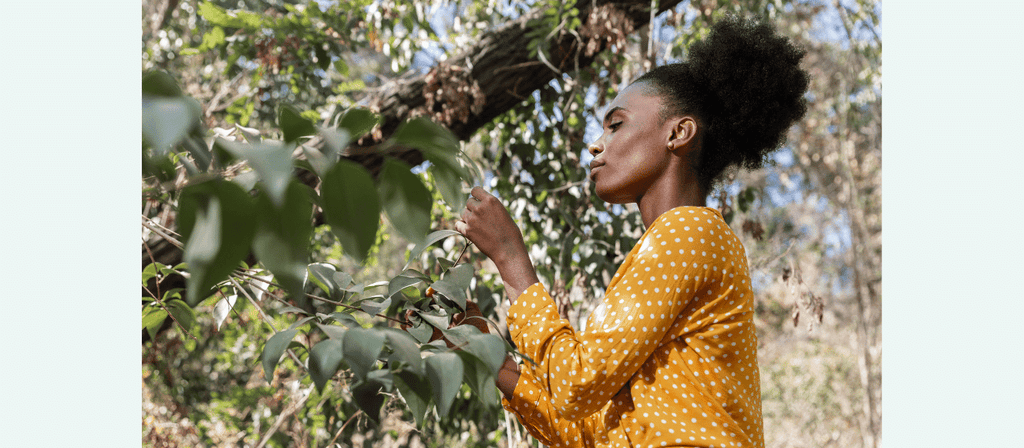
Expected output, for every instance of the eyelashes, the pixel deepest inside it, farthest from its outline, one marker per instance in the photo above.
(615, 126)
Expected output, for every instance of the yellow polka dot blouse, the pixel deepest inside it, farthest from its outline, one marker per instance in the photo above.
(669, 358)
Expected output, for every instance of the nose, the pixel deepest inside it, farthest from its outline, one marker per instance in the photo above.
(594, 149)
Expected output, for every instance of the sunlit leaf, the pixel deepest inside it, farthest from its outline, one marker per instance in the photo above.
(293, 124)
(324, 360)
(358, 122)
(223, 308)
(451, 291)
(401, 282)
(271, 160)
(322, 275)
(152, 320)
(182, 313)
(352, 207)
(405, 199)
(273, 351)
(444, 371)
(429, 240)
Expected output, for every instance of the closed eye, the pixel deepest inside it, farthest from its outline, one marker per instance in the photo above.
(615, 126)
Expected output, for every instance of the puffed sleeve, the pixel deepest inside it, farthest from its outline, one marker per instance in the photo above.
(581, 371)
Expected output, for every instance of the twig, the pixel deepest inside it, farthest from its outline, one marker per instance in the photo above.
(146, 222)
(160, 302)
(343, 427)
(266, 318)
(285, 414)
(332, 302)
(159, 299)
(566, 186)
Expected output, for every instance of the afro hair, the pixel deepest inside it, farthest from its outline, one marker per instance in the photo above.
(745, 87)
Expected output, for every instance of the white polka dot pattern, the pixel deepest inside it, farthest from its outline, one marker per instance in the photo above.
(669, 358)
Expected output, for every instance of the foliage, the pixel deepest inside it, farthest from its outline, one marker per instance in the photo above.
(283, 334)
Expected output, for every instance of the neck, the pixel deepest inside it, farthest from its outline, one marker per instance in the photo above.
(667, 193)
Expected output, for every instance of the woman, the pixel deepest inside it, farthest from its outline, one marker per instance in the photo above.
(669, 358)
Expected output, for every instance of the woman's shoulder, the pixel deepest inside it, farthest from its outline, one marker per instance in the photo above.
(690, 232)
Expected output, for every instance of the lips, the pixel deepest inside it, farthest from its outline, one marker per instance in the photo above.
(594, 166)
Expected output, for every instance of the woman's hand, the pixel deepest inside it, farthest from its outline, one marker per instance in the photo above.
(486, 223)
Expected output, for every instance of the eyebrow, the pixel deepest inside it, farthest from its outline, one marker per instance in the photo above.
(611, 111)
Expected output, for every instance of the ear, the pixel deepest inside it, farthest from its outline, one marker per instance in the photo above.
(684, 133)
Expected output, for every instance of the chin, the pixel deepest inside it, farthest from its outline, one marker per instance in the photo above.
(610, 196)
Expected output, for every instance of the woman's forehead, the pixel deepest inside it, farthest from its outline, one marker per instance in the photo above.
(637, 97)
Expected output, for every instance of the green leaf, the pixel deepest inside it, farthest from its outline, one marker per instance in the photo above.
(368, 397)
(407, 201)
(351, 207)
(479, 378)
(160, 83)
(167, 120)
(152, 320)
(333, 331)
(358, 121)
(197, 148)
(271, 160)
(416, 391)
(322, 275)
(429, 240)
(362, 346)
(437, 321)
(217, 16)
(451, 291)
(346, 320)
(488, 348)
(404, 349)
(421, 330)
(441, 148)
(401, 281)
(373, 308)
(282, 238)
(299, 323)
(182, 313)
(273, 351)
(216, 222)
(293, 124)
(484, 299)
(444, 371)
(223, 308)
(335, 142)
(324, 360)
(460, 275)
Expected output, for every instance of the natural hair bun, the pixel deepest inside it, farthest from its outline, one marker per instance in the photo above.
(744, 83)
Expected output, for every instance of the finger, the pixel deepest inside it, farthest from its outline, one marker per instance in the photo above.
(479, 193)
(460, 226)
